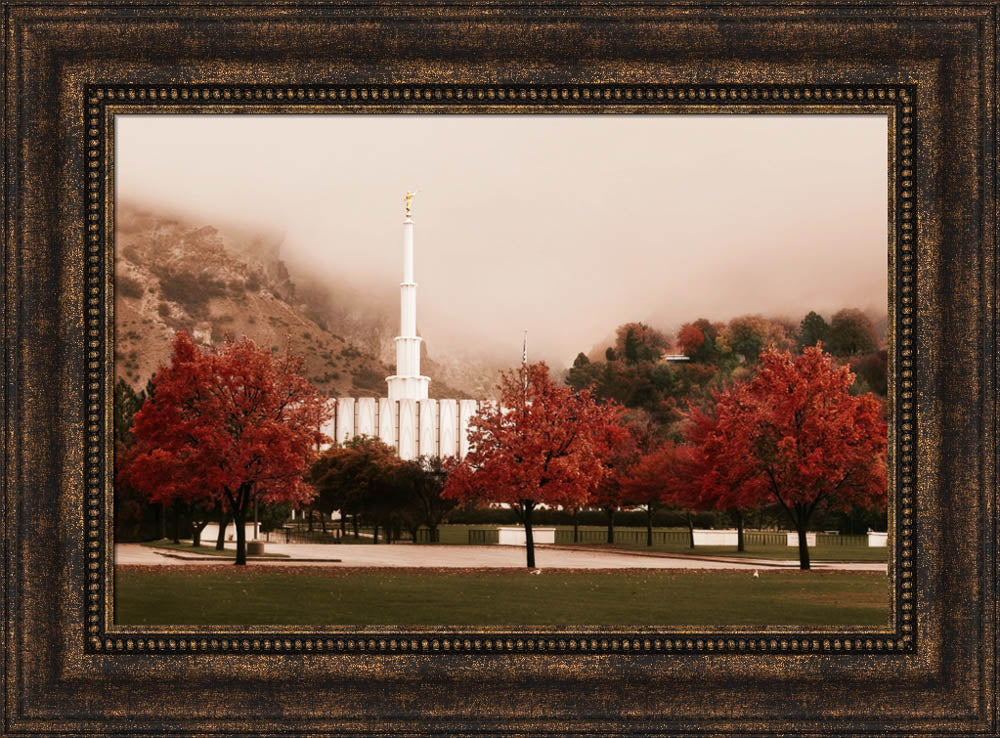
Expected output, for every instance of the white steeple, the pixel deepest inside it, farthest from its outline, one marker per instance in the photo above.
(407, 383)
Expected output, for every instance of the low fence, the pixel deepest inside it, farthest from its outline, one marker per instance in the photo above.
(563, 536)
(483, 536)
(764, 537)
(835, 539)
(622, 535)
(294, 535)
(426, 535)
(638, 536)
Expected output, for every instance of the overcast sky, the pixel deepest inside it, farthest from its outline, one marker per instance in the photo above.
(563, 225)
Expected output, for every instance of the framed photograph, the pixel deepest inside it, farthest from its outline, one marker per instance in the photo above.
(485, 369)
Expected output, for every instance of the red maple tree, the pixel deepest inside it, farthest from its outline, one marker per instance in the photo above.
(542, 444)
(701, 424)
(795, 435)
(614, 491)
(233, 425)
(663, 477)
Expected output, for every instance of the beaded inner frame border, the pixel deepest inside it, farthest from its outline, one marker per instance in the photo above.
(103, 102)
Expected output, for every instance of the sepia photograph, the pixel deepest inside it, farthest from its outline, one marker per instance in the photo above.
(502, 370)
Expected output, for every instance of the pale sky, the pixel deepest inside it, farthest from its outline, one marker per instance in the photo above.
(563, 225)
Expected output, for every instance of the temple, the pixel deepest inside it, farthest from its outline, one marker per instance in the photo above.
(407, 420)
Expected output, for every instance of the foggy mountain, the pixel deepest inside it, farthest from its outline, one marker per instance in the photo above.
(216, 281)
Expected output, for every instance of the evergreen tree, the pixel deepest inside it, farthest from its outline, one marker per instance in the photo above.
(812, 330)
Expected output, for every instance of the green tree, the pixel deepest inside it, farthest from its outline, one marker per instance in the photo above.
(813, 330)
(747, 335)
(360, 478)
(584, 373)
(852, 333)
(132, 510)
(427, 478)
(127, 403)
(638, 342)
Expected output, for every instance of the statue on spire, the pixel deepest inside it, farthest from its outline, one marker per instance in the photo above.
(409, 203)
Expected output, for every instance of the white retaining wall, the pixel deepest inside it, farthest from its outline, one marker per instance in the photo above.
(210, 533)
(514, 535)
(792, 537)
(876, 539)
(412, 427)
(711, 537)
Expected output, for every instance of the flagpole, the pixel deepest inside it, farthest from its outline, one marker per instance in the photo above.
(524, 365)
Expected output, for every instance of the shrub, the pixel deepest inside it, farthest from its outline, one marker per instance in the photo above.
(128, 287)
(131, 252)
(192, 291)
(366, 378)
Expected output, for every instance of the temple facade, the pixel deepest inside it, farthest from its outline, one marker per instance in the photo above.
(406, 418)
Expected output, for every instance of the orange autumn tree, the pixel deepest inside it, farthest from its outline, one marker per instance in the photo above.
(541, 445)
(233, 425)
(794, 434)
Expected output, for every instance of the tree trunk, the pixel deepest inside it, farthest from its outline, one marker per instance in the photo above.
(354, 522)
(529, 539)
(576, 525)
(740, 543)
(343, 524)
(649, 525)
(375, 533)
(196, 529)
(241, 537)
(309, 527)
(220, 540)
(435, 534)
(690, 529)
(610, 512)
(177, 522)
(322, 521)
(803, 547)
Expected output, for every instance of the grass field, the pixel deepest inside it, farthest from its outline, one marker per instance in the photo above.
(202, 595)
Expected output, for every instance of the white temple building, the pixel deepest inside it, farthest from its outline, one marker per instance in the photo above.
(407, 419)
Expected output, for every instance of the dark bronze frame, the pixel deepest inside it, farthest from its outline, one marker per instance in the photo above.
(70, 67)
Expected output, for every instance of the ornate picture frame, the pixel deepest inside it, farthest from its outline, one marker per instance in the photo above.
(70, 68)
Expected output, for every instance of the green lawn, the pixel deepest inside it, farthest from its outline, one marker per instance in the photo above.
(308, 596)
(206, 550)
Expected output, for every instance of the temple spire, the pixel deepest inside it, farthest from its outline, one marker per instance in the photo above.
(407, 383)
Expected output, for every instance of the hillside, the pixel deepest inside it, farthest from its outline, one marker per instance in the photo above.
(173, 274)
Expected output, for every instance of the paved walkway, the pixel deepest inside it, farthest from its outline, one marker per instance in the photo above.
(409, 555)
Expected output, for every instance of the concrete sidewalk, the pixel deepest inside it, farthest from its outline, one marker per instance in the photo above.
(461, 557)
